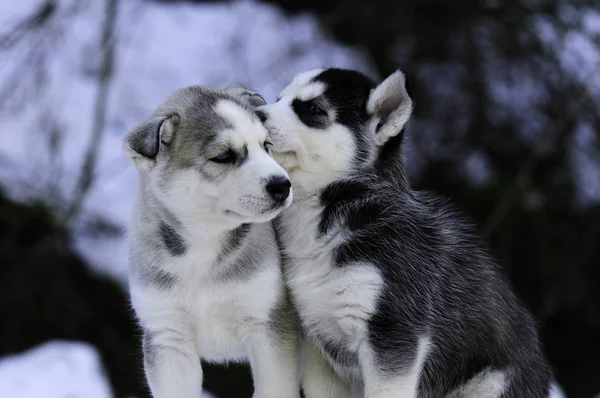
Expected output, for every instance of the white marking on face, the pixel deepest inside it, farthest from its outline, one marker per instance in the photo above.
(299, 82)
(235, 191)
(312, 157)
(243, 190)
(246, 130)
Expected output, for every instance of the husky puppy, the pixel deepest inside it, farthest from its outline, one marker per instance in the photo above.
(205, 271)
(397, 295)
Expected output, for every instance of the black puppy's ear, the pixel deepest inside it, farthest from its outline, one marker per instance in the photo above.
(250, 96)
(142, 144)
(392, 105)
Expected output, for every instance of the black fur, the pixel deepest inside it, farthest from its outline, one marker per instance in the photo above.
(282, 318)
(439, 277)
(174, 242)
(302, 110)
(347, 92)
(156, 276)
(234, 241)
(442, 282)
(339, 354)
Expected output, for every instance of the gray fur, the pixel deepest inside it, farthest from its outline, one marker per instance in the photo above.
(200, 239)
(251, 96)
(172, 240)
(145, 138)
(439, 279)
(157, 277)
(282, 319)
(197, 126)
(234, 240)
(149, 349)
(344, 361)
(244, 251)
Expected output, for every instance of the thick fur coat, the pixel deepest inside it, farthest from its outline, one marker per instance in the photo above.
(397, 294)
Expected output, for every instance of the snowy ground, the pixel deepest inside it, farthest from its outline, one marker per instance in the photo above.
(58, 369)
(54, 370)
(61, 369)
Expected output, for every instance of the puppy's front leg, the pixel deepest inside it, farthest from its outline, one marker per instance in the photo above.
(383, 380)
(172, 365)
(319, 379)
(275, 362)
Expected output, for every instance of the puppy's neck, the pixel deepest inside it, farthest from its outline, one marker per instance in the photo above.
(152, 212)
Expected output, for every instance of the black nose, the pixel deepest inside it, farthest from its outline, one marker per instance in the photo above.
(279, 188)
(262, 116)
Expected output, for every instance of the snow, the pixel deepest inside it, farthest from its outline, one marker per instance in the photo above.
(61, 369)
(159, 49)
(56, 369)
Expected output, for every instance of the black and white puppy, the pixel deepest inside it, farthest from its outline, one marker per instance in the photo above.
(397, 294)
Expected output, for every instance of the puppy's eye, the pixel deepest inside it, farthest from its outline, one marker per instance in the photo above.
(266, 145)
(225, 157)
(316, 110)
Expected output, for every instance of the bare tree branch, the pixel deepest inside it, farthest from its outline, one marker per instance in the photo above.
(86, 177)
(35, 21)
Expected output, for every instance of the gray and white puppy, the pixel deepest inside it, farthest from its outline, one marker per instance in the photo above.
(205, 275)
(397, 294)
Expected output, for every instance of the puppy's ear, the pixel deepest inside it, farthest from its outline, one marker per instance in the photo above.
(250, 96)
(392, 105)
(143, 143)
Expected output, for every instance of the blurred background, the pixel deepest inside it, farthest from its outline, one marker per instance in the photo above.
(506, 124)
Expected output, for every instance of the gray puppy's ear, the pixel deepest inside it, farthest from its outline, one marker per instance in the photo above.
(392, 105)
(250, 96)
(142, 144)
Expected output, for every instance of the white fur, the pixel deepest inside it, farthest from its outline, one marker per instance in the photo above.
(242, 191)
(218, 322)
(486, 384)
(401, 386)
(319, 379)
(237, 197)
(202, 316)
(334, 303)
(312, 158)
(298, 86)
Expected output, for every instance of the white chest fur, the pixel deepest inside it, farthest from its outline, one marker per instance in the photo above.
(219, 316)
(334, 302)
(226, 315)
